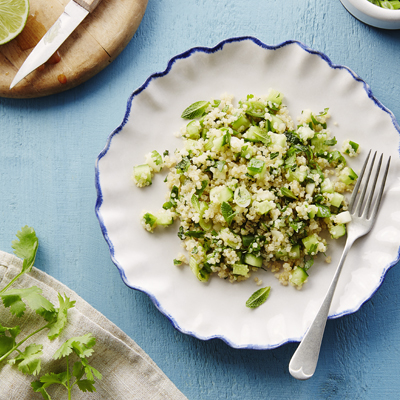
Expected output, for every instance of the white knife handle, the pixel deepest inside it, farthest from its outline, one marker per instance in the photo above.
(88, 5)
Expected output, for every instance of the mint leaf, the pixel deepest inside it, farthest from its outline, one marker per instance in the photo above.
(26, 247)
(227, 212)
(195, 203)
(12, 298)
(258, 297)
(195, 110)
(60, 317)
(29, 361)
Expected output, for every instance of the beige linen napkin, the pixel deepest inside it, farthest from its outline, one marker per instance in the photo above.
(128, 372)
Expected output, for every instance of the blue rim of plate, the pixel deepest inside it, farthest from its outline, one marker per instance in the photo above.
(210, 50)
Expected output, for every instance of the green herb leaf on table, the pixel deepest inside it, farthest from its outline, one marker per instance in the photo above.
(7, 342)
(82, 346)
(60, 316)
(12, 298)
(29, 361)
(26, 247)
(258, 297)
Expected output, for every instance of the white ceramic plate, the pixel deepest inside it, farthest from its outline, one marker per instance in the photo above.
(240, 66)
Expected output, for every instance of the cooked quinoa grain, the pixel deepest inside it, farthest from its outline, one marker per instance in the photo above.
(251, 190)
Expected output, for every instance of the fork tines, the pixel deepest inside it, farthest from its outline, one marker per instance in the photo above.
(359, 207)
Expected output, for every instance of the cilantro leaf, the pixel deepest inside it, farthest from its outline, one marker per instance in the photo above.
(258, 297)
(227, 212)
(81, 345)
(39, 387)
(60, 317)
(32, 295)
(26, 247)
(29, 361)
(90, 371)
(6, 344)
(86, 385)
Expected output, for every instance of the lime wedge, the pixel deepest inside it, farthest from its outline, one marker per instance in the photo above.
(13, 16)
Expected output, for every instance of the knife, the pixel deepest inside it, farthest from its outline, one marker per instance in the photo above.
(74, 13)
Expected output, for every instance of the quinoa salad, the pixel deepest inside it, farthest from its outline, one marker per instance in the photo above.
(251, 190)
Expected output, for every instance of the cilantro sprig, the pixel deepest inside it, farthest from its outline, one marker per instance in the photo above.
(83, 374)
(28, 361)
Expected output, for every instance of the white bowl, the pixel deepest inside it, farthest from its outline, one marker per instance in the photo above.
(373, 15)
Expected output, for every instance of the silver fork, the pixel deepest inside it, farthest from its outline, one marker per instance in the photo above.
(304, 361)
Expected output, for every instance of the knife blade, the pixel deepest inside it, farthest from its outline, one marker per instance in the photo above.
(74, 13)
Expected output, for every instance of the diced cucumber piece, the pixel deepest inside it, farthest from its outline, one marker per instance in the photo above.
(220, 194)
(327, 186)
(226, 194)
(294, 252)
(337, 231)
(240, 269)
(242, 197)
(247, 152)
(305, 133)
(337, 199)
(164, 219)
(256, 134)
(255, 166)
(297, 175)
(205, 225)
(252, 260)
(323, 211)
(275, 123)
(193, 130)
(221, 141)
(226, 235)
(311, 243)
(343, 218)
(275, 97)
(318, 142)
(241, 124)
(347, 176)
(142, 175)
(200, 273)
(264, 207)
(209, 144)
(279, 254)
(298, 277)
(312, 214)
(310, 187)
(335, 157)
(278, 139)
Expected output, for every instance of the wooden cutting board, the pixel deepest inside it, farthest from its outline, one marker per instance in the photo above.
(93, 45)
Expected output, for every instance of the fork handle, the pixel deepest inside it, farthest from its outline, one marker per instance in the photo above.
(304, 361)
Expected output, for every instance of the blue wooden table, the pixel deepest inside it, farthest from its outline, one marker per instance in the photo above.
(48, 149)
